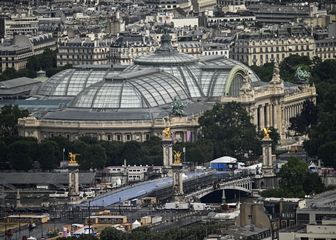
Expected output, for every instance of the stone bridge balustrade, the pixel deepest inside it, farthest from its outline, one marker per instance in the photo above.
(243, 184)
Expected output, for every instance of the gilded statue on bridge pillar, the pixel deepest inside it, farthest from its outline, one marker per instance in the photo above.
(166, 133)
(72, 158)
(177, 157)
(266, 132)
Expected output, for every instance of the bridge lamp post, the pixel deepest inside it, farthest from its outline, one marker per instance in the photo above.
(184, 154)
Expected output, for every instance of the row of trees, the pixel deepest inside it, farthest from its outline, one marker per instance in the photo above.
(197, 231)
(46, 61)
(26, 153)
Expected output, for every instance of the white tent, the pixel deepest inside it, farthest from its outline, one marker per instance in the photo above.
(224, 159)
(136, 224)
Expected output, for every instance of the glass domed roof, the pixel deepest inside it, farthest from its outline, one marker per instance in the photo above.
(70, 82)
(166, 55)
(138, 89)
(184, 67)
(176, 74)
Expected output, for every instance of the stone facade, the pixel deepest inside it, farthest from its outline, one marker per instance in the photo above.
(16, 54)
(105, 130)
(130, 46)
(83, 52)
(21, 25)
(326, 48)
(258, 50)
(169, 4)
(272, 105)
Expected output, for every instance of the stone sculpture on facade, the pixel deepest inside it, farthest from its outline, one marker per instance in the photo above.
(246, 88)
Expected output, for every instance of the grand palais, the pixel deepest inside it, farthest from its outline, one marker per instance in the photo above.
(131, 103)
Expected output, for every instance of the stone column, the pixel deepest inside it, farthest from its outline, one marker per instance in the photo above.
(255, 116)
(281, 121)
(267, 157)
(266, 112)
(272, 115)
(74, 185)
(262, 117)
(177, 172)
(167, 153)
(167, 145)
(276, 115)
(298, 109)
(258, 117)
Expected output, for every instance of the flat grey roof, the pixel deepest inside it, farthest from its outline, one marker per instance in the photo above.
(36, 103)
(18, 82)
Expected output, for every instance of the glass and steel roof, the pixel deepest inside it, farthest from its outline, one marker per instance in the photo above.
(165, 55)
(70, 82)
(186, 75)
(182, 66)
(165, 59)
(152, 81)
(229, 63)
(138, 89)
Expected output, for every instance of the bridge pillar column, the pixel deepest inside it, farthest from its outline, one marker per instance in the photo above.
(167, 145)
(178, 194)
(267, 167)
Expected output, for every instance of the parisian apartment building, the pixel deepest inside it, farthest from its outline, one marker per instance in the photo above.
(79, 51)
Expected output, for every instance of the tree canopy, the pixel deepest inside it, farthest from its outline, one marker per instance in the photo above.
(264, 72)
(9, 115)
(322, 135)
(289, 66)
(306, 119)
(93, 154)
(296, 181)
(230, 129)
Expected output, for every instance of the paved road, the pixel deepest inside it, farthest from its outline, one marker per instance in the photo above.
(138, 190)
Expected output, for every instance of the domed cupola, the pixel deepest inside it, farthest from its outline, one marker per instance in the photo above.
(165, 55)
